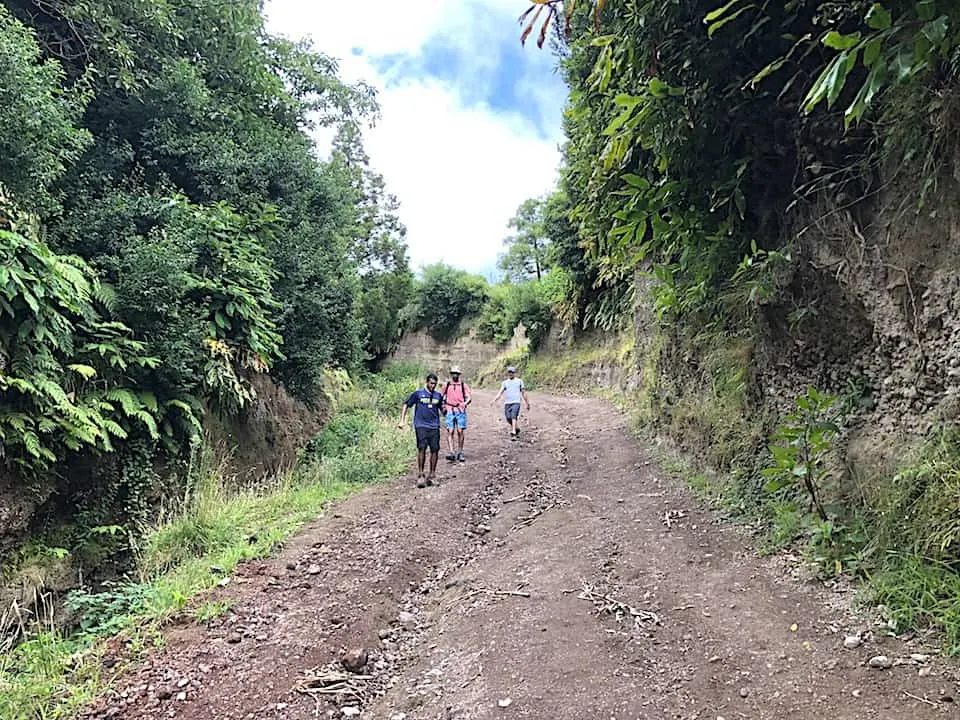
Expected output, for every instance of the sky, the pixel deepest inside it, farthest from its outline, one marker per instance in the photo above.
(470, 121)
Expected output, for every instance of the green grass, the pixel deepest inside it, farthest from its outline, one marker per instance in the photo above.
(52, 674)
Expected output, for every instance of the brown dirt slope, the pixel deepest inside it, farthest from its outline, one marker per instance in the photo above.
(561, 576)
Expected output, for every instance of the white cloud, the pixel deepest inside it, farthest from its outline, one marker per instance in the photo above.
(459, 167)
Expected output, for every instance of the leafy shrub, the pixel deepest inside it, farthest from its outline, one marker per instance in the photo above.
(508, 305)
(445, 297)
(344, 431)
(63, 366)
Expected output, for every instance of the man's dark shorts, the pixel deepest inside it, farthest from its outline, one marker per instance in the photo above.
(428, 438)
(511, 411)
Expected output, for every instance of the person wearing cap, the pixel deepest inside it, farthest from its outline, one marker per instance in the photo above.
(513, 392)
(456, 397)
(428, 406)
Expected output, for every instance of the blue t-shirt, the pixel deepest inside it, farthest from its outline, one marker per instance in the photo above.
(426, 408)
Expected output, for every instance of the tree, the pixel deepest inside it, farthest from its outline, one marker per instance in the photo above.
(38, 136)
(377, 245)
(528, 246)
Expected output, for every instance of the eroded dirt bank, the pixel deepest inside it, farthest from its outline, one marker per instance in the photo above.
(561, 576)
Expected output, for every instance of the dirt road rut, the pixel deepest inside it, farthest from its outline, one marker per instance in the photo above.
(558, 577)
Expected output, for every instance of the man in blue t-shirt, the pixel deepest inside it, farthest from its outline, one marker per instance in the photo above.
(427, 406)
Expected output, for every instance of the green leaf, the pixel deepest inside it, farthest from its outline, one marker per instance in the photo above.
(730, 18)
(878, 17)
(838, 41)
(636, 181)
(658, 88)
(936, 30)
(627, 101)
(718, 12)
(871, 51)
(85, 371)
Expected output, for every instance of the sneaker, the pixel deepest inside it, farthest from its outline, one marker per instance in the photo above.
(421, 483)
(451, 456)
(460, 457)
(429, 480)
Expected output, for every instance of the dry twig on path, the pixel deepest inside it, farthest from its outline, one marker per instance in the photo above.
(488, 591)
(606, 604)
(328, 681)
(525, 520)
(494, 592)
(921, 699)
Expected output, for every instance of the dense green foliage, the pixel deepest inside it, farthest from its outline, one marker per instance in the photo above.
(168, 232)
(445, 297)
(696, 131)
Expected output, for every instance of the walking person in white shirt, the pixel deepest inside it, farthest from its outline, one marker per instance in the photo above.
(513, 393)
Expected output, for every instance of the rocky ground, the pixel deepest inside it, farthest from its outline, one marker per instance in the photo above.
(561, 576)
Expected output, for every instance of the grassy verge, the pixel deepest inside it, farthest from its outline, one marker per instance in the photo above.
(53, 673)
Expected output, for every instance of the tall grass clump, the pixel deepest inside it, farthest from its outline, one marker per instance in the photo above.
(915, 549)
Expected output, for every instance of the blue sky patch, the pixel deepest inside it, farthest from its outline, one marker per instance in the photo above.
(506, 78)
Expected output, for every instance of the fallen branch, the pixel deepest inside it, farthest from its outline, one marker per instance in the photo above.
(496, 592)
(672, 516)
(921, 699)
(606, 604)
(328, 681)
(514, 499)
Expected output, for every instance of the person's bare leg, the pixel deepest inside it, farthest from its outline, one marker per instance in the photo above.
(433, 465)
(421, 461)
(460, 434)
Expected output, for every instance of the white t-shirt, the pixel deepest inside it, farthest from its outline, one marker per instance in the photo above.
(512, 390)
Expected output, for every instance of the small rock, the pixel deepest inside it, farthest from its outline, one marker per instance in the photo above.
(350, 711)
(924, 671)
(354, 660)
(183, 683)
(857, 693)
(314, 570)
(181, 696)
(505, 702)
(164, 694)
(291, 566)
(205, 669)
(744, 692)
(881, 662)
(715, 658)
(384, 633)
(224, 582)
(406, 618)
(852, 642)
(234, 638)
(919, 658)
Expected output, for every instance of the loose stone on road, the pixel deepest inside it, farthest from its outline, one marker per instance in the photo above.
(562, 576)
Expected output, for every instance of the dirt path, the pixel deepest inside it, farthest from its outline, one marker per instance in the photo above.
(559, 577)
